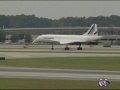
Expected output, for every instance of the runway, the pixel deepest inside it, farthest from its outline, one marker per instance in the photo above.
(10, 55)
(66, 74)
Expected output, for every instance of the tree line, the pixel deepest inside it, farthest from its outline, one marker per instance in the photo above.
(31, 21)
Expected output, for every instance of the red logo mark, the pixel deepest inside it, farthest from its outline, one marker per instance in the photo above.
(95, 33)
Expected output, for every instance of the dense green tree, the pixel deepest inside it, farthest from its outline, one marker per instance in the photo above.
(4, 21)
(14, 37)
(31, 21)
(28, 37)
(2, 36)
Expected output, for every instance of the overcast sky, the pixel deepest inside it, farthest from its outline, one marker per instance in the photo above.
(59, 9)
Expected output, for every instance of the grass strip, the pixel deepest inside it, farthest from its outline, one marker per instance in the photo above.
(18, 83)
(91, 63)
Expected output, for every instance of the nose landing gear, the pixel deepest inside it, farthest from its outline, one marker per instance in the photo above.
(52, 46)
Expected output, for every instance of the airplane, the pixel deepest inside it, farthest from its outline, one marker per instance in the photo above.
(90, 35)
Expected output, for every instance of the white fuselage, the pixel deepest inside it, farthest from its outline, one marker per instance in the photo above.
(64, 39)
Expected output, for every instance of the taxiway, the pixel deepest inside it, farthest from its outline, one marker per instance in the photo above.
(66, 74)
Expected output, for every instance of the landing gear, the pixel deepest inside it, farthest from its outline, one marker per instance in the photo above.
(52, 46)
(79, 48)
(66, 48)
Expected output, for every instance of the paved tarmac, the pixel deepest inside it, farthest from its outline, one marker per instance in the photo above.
(66, 74)
(40, 51)
(10, 55)
(36, 51)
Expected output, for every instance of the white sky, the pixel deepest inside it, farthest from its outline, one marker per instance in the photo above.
(58, 9)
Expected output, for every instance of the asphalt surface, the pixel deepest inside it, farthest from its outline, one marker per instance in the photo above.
(38, 51)
(9, 55)
(17, 51)
(65, 74)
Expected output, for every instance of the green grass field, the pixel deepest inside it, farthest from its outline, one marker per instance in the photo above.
(13, 83)
(96, 63)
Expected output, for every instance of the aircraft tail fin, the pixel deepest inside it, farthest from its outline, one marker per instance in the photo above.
(92, 30)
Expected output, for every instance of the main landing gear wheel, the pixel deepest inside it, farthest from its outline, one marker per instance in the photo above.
(79, 48)
(66, 48)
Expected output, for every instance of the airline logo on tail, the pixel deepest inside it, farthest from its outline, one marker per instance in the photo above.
(95, 33)
(92, 30)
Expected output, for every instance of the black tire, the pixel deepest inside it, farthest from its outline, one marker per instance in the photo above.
(79, 48)
(66, 48)
(52, 48)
